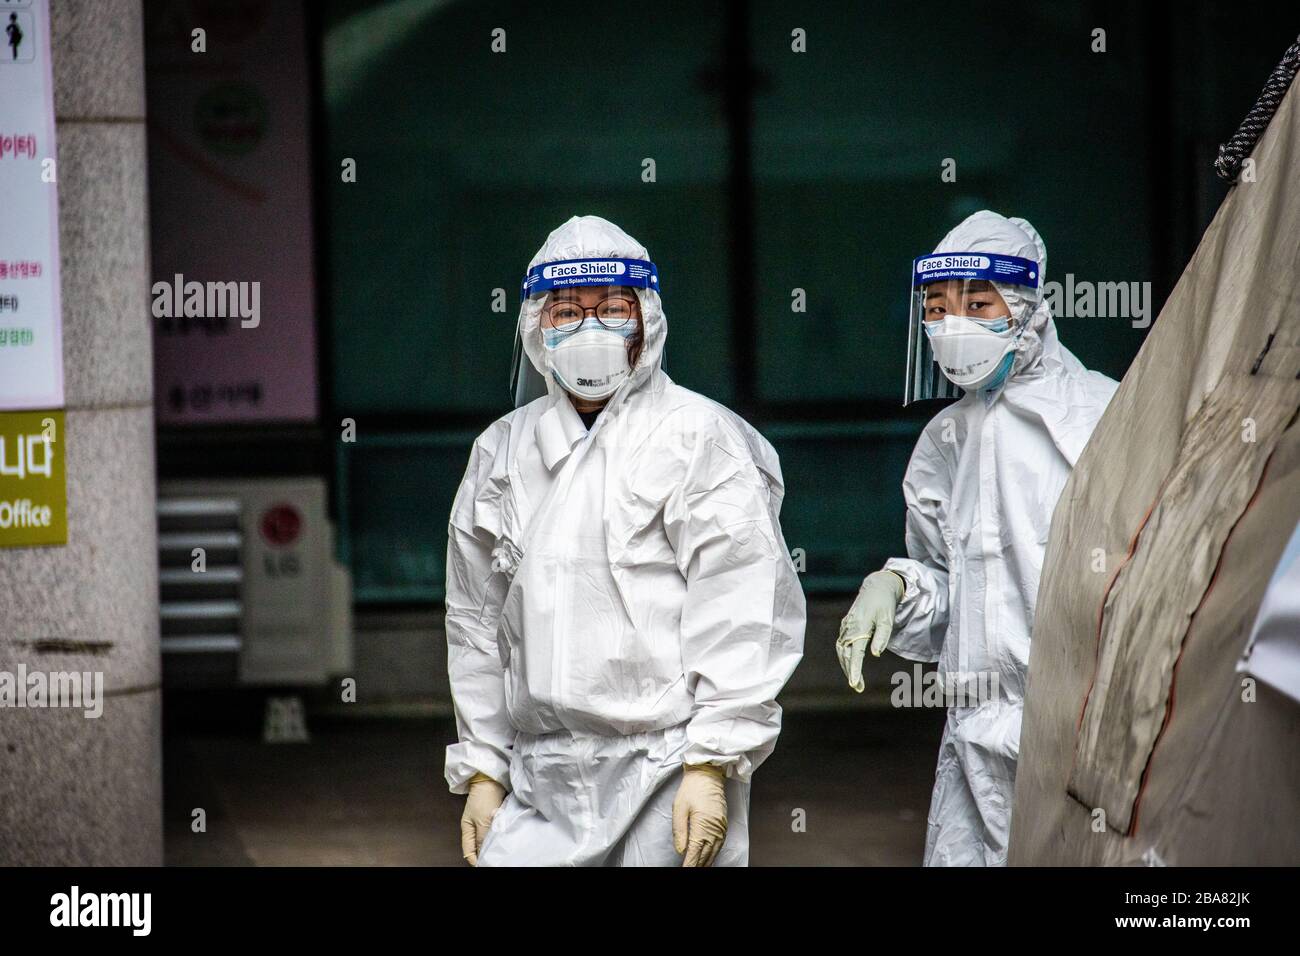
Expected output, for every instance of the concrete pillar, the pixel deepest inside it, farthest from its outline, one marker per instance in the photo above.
(75, 790)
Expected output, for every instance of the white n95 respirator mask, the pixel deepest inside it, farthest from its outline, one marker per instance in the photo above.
(974, 354)
(591, 362)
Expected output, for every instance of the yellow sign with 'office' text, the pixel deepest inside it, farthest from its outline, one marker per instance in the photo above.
(33, 482)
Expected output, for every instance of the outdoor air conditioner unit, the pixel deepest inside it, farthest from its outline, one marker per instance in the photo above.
(250, 592)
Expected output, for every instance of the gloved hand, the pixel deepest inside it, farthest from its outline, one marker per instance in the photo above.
(870, 619)
(484, 799)
(700, 814)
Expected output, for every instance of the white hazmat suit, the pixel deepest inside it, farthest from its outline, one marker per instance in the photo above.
(620, 602)
(980, 489)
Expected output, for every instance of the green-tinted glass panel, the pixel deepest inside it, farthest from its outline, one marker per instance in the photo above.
(466, 158)
(397, 492)
(850, 139)
(843, 505)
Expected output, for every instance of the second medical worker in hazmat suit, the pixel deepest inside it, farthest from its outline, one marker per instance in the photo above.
(980, 490)
(621, 606)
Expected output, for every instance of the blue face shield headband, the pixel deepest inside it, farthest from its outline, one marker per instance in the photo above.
(940, 267)
(633, 273)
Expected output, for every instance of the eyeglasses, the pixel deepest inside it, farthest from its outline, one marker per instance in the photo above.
(613, 313)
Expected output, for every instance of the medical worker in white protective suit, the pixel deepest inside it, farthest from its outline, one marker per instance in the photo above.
(621, 606)
(980, 489)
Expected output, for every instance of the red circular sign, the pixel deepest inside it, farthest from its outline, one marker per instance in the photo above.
(281, 525)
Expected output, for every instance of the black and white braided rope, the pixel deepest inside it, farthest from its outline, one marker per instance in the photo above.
(1231, 153)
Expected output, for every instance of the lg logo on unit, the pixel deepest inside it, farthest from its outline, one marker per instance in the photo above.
(281, 526)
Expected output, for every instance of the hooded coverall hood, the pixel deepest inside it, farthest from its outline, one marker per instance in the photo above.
(987, 231)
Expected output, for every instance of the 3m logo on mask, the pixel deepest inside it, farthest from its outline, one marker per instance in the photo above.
(594, 382)
(964, 370)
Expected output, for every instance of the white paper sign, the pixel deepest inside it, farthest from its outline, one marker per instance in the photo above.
(31, 323)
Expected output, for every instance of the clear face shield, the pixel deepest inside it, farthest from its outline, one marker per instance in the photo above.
(961, 333)
(590, 321)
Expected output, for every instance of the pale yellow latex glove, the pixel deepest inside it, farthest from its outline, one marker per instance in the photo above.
(484, 799)
(870, 621)
(700, 814)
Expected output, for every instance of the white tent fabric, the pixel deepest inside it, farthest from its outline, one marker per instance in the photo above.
(1140, 741)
